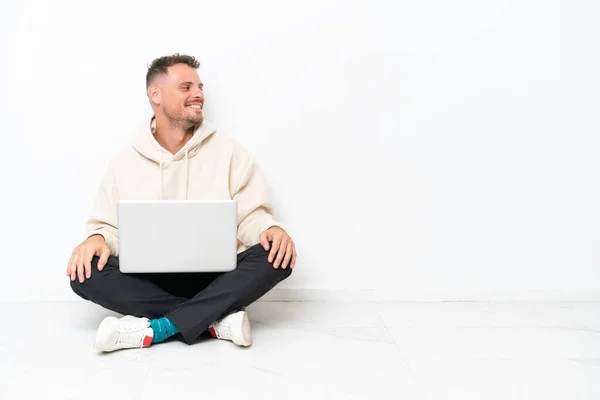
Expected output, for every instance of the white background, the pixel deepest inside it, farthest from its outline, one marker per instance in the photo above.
(429, 149)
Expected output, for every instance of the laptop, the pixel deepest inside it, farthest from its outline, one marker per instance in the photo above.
(177, 235)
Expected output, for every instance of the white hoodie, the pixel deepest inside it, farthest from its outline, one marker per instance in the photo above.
(210, 166)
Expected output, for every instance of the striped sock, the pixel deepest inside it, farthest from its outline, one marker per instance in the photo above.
(163, 328)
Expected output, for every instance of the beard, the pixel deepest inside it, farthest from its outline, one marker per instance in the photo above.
(182, 118)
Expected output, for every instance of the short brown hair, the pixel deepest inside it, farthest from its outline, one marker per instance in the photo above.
(160, 65)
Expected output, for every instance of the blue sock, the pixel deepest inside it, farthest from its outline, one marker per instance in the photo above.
(163, 328)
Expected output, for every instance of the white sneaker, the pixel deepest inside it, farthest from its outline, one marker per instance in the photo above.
(127, 332)
(234, 327)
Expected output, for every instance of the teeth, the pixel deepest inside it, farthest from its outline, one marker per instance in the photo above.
(195, 106)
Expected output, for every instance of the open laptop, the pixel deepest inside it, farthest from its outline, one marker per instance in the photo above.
(177, 235)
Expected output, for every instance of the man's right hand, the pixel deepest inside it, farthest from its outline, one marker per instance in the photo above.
(81, 259)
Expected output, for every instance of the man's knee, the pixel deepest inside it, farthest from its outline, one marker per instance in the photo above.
(268, 268)
(81, 289)
(77, 287)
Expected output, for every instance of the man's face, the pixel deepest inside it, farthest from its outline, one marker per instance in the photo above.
(181, 96)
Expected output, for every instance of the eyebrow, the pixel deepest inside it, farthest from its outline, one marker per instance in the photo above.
(191, 84)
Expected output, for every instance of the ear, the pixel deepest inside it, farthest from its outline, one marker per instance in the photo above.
(154, 94)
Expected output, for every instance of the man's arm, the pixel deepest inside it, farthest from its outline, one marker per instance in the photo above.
(256, 223)
(255, 211)
(103, 218)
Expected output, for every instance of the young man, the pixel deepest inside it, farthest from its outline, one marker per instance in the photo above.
(179, 155)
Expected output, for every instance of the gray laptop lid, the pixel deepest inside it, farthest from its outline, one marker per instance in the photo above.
(177, 235)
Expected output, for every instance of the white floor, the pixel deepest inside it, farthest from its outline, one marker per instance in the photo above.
(316, 350)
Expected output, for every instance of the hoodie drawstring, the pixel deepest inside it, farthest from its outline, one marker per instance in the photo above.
(162, 186)
(187, 173)
(146, 145)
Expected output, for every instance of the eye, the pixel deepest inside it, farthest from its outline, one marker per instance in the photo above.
(186, 88)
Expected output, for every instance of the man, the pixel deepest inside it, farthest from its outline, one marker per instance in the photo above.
(178, 155)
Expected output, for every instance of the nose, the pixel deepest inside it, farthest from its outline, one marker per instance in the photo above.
(198, 94)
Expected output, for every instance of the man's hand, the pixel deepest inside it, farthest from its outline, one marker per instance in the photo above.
(283, 247)
(81, 259)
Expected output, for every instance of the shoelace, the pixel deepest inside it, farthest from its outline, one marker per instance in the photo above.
(131, 335)
(223, 331)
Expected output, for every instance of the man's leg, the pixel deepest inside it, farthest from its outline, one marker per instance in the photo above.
(253, 277)
(128, 294)
(192, 302)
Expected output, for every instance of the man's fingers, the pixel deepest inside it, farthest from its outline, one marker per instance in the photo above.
(293, 258)
(264, 241)
(288, 255)
(87, 265)
(80, 266)
(69, 264)
(103, 258)
(274, 248)
(73, 266)
(280, 254)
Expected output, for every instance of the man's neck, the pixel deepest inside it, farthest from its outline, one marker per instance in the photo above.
(172, 138)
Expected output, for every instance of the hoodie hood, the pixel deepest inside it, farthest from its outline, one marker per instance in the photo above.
(146, 145)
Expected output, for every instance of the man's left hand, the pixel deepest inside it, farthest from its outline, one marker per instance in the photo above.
(283, 248)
